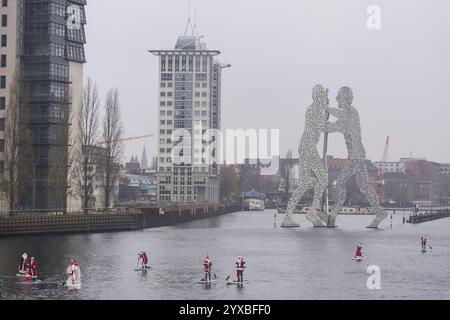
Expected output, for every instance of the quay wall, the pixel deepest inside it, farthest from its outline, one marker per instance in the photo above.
(123, 220)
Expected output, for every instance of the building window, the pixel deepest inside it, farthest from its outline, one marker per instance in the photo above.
(4, 40)
(163, 63)
(170, 63)
(4, 20)
(3, 61)
(2, 124)
(4, 3)
(2, 103)
(2, 82)
(2, 145)
(204, 64)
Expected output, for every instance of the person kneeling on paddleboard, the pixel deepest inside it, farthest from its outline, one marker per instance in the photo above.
(240, 266)
(23, 263)
(144, 259)
(207, 266)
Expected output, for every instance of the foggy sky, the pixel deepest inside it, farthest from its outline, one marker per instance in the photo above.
(279, 50)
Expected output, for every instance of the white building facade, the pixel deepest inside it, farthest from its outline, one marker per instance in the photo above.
(189, 108)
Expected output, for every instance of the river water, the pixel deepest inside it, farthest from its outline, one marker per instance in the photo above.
(282, 264)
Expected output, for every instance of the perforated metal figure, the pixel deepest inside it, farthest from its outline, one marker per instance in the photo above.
(349, 125)
(312, 170)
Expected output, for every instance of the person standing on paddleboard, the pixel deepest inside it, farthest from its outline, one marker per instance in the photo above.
(74, 271)
(23, 263)
(207, 267)
(240, 266)
(358, 253)
(32, 266)
(424, 241)
(144, 259)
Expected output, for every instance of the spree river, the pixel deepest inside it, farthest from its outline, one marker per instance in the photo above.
(282, 264)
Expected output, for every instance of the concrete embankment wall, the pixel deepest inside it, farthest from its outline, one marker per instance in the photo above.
(134, 219)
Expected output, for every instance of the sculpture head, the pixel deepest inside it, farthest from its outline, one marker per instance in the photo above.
(345, 97)
(320, 95)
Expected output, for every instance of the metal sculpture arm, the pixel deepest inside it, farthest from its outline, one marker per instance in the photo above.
(337, 126)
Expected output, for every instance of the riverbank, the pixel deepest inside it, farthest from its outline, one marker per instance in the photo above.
(123, 220)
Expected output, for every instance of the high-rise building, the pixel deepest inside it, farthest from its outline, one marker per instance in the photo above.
(46, 37)
(189, 101)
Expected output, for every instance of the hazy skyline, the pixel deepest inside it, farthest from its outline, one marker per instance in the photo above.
(279, 50)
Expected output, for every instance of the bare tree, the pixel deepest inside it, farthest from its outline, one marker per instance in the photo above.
(17, 144)
(113, 147)
(86, 154)
(287, 175)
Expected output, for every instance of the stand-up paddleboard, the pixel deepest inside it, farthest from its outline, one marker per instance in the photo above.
(207, 281)
(71, 285)
(30, 280)
(143, 268)
(232, 282)
(22, 275)
(359, 258)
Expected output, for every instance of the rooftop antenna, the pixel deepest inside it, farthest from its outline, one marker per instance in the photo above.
(194, 30)
(189, 23)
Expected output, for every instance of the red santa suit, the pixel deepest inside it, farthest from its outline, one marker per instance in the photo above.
(240, 266)
(207, 265)
(32, 266)
(144, 258)
(358, 251)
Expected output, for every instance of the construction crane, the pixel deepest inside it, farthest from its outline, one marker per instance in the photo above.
(128, 139)
(381, 171)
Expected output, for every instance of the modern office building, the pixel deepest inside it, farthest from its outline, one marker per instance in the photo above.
(47, 38)
(189, 101)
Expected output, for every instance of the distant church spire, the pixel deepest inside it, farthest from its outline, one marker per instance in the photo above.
(144, 163)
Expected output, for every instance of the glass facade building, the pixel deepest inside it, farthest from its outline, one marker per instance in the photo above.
(50, 43)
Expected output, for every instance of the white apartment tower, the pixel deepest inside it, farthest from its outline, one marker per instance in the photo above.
(189, 101)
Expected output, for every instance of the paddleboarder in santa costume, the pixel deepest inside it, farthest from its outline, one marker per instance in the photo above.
(144, 259)
(23, 263)
(32, 266)
(207, 266)
(240, 266)
(358, 254)
(424, 241)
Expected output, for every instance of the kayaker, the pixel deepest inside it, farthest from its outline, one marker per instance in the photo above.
(240, 266)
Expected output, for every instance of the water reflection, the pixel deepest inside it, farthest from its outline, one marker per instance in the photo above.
(303, 263)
